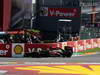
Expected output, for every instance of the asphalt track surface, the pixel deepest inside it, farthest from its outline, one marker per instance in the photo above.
(78, 65)
(88, 58)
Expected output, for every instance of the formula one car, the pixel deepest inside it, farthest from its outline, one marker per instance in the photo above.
(52, 52)
(58, 52)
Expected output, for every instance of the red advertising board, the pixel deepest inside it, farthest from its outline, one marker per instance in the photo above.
(72, 44)
(88, 44)
(95, 43)
(60, 12)
(59, 45)
(64, 44)
(54, 45)
(80, 45)
(32, 47)
(5, 50)
(63, 12)
(98, 40)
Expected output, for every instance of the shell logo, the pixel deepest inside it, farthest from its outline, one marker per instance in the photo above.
(18, 49)
(44, 11)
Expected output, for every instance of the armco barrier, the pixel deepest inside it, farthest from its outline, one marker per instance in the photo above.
(20, 49)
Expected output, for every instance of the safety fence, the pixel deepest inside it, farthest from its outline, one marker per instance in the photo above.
(20, 49)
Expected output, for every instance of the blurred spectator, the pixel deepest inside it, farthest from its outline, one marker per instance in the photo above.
(11, 40)
(60, 38)
(35, 38)
(29, 40)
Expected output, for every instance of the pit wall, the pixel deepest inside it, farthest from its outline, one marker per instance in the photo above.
(20, 49)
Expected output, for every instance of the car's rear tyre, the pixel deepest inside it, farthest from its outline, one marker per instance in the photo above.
(68, 51)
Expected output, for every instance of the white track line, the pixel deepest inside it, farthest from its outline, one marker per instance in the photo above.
(3, 71)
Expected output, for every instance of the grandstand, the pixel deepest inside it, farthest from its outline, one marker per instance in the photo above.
(89, 32)
(90, 19)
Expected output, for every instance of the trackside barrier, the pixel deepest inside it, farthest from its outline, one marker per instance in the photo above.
(72, 44)
(82, 45)
(98, 40)
(95, 43)
(29, 48)
(20, 49)
(5, 50)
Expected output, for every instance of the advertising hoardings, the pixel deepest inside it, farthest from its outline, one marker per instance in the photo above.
(59, 44)
(64, 44)
(95, 43)
(5, 50)
(98, 40)
(54, 45)
(59, 12)
(80, 45)
(29, 48)
(72, 44)
(20, 49)
(63, 12)
(88, 44)
(17, 50)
